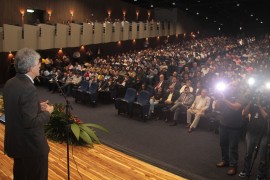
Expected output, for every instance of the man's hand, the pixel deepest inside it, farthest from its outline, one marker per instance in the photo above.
(200, 112)
(49, 109)
(43, 105)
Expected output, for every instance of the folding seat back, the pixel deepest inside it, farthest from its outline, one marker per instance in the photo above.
(130, 95)
(80, 91)
(125, 104)
(93, 88)
(143, 97)
(84, 86)
(151, 90)
(142, 105)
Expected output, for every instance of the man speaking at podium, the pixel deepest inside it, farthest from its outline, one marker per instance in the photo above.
(25, 139)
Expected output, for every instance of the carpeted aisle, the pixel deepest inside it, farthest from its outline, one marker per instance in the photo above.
(189, 155)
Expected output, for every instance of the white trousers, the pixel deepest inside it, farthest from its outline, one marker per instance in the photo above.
(196, 119)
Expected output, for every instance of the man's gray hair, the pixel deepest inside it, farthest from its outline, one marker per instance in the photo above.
(25, 59)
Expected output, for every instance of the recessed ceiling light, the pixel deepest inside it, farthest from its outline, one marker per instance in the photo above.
(219, 28)
(186, 9)
(238, 4)
(152, 5)
(173, 3)
(206, 17)
(30, 10)
(240, 28)
(197, 13)
(251, 15)
(257, 19)
(261, 22)
(215, 21)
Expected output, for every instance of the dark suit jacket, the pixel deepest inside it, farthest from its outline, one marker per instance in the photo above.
(163, 85)
(175, 96)
(183, 100)
(24, 131)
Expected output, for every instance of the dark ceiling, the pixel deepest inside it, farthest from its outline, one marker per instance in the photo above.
(219, 13)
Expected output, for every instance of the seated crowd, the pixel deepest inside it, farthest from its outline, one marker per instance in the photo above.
(180, 78)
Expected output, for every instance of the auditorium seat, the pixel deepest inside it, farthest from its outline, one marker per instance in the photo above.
(142, 105)
(123, 105)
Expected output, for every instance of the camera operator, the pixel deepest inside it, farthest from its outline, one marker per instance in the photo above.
(256, 135)
(230, 106)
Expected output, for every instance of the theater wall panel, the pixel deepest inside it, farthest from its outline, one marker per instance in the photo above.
(46, 38)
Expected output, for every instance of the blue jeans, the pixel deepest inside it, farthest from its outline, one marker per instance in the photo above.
(229, 139)
(252, 141)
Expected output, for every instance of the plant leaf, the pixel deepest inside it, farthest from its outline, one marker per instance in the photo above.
(90, 132)
(86, 138)
(97, 127)
(76, 130)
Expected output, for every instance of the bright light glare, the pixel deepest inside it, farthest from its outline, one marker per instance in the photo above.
(251, 81)
(221, 86)
(267, 85)
(30, 10)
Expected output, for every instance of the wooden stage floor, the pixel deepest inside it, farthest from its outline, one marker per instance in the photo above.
(100, 162)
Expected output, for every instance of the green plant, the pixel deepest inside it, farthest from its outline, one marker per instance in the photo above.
(80, 133)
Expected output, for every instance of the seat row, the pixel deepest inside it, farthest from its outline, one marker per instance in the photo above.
(133, 104)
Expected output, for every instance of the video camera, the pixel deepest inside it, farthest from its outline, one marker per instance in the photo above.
(259, 90)
(255, 89)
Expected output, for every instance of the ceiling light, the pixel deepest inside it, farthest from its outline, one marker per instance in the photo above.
(135, 0)
(206, 17)
(257, 19)
(152, 5)
(186, 9)
(238, 4)
(219, 28)
(173, 3)
(221, 24)
(261, 22)
(251, 15)
(30, 10)
(215, 21)
(240, 28)
(197, 13)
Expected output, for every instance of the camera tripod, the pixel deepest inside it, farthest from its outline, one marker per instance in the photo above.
(258, 146)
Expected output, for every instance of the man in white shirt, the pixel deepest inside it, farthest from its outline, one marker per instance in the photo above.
(204, 69)
(198, 108)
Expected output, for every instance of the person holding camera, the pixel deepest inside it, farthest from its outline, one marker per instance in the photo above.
(230, 105)
(256, 137)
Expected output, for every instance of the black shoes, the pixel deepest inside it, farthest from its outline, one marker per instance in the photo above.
(222, 164)
(190, 130)
(232, 171)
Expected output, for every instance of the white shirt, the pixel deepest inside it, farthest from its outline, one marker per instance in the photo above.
(30, 78)
(183, 89)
